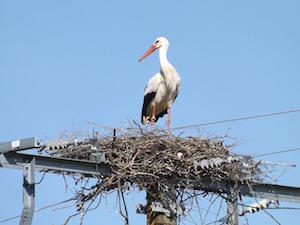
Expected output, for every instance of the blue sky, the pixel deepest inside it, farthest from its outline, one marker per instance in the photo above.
(64, 63)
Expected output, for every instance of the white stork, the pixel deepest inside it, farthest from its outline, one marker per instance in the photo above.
(162, 89)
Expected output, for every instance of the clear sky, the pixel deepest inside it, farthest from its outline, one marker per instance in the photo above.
(64, 63)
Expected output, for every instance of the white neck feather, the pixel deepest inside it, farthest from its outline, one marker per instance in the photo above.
(165, 66)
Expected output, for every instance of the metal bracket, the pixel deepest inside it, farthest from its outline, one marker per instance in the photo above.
(20, 144)
(28, 193)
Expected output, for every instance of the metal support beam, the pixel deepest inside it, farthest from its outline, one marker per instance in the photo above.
(90, 169)
(272, 192)
(261, 190)
(232, 207)
(44, 163)
(28, 194)
(20, 144)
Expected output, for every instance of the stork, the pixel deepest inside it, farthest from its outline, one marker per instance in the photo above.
(162, 89)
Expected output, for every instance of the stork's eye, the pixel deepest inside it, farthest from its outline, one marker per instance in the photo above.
(156, 41)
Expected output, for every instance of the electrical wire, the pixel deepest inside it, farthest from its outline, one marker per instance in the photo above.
(238, 119)
(278, 152)
(40, 209)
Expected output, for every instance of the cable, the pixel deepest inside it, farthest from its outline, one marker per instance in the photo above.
(9, 219)
(40, 209)
(41, 178)
(238, 119)
(277, 152)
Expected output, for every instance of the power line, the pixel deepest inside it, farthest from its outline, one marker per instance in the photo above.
(278, 152)
(40, 209)
(10, 218)
(238, 119)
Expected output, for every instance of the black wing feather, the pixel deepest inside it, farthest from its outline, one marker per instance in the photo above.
(147, 100)
(161, 114)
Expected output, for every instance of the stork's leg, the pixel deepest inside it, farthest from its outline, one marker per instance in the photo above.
(153, 118)
(169, 120)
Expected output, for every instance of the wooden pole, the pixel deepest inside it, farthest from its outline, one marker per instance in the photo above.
(159, 218)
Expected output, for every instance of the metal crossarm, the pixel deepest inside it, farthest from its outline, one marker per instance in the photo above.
(90, 169)
(20, 144)
(44, 163)
(261, 190)
(272, 192)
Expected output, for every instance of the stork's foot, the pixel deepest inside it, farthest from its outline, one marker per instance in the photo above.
(146, 119)
(153, 119)
(169, 133)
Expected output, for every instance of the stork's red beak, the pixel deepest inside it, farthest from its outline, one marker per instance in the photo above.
(148, 52)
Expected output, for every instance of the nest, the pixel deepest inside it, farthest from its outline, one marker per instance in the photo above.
(157, 162)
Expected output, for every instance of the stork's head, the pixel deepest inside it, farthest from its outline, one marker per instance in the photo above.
(160, 42)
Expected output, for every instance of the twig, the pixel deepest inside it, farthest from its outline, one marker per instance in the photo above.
(210, 205)
(125, 207)
(68, 219)
(197, 203)
(219, 210)
(65, 181)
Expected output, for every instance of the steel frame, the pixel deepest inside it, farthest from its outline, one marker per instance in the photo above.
(30, 163)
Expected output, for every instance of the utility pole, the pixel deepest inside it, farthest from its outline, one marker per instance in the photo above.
(158, 210)
(28, 194)
(161, 207)
(232, 207)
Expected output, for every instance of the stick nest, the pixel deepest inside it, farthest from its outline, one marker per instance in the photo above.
(156, 161)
